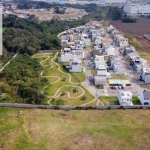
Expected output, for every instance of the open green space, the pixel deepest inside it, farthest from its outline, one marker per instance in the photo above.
(74, 130)
(63, 87)
(99, 86)
(109, 100)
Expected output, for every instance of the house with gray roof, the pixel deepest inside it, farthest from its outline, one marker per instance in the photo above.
(145, 97)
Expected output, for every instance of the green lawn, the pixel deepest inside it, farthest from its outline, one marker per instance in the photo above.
(135, 100)
(37, 129)
(99, 86)
(109, 100)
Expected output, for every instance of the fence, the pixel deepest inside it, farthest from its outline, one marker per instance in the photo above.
(110, 107)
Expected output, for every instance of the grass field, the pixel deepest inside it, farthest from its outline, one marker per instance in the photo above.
(74, 130)
(109, 100)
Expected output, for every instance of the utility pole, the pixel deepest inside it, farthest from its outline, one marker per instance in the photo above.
(1, 32)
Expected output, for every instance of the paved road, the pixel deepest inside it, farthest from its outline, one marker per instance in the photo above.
(135, 87)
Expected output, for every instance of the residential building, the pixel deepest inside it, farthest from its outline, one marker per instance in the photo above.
(121, 41)
(145, 97)
(145, 75)
(99, 60)
(118, 68)
(102, 71)
(109, 50)
(125, 98)
(112, 60)
(75, 66)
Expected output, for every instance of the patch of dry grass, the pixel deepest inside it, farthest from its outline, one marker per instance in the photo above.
(75, 130)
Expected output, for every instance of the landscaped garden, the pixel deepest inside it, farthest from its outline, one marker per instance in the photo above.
(63, 87)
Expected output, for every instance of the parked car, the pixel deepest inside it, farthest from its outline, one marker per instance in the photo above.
(123, 86)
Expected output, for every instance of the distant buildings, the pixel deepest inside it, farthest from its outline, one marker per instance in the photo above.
(137, 9)
(113, 1)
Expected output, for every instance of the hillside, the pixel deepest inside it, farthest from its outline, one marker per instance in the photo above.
(74, 130)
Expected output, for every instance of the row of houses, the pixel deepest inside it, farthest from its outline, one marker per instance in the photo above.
(75, 40)
(137, 64)
(113, 63)
(125, 98)
(119, 39)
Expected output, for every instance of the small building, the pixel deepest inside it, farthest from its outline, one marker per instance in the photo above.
(102, 71)
(125, 98)
(75, 66)
(109, 50)
(118, 68)
(69, 55)
(99, 60)
(145, 75)
(121, 41)
(112, 60)
(145, 97)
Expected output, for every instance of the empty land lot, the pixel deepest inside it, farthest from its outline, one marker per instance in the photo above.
(74, 130)
(142, 26)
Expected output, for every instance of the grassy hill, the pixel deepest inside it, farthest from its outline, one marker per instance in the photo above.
(74, 130)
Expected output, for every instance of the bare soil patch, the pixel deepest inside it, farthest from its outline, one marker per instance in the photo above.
(141, 27)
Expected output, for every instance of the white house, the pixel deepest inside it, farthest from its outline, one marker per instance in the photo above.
(102, 71)
(145, 75)
(112, 60)
(66, 57)
(145, 97)
(109, 50)
(86, 42)
(125, 98)
(118, 68)
(121, 41)
(75, 66)
(99, 60)
(110, 28)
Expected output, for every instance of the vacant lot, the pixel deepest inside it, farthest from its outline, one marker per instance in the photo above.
(74, 130)
(142, 26)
